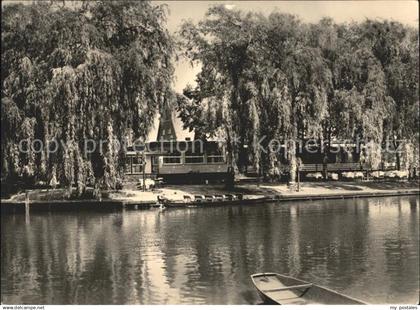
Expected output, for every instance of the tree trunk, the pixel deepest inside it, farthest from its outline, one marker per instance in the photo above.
(69, 191)
(291, 149)
(97, 192)
(230, 178)
(397, 155)
(398, 160)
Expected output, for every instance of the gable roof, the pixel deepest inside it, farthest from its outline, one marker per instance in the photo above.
(177, 124)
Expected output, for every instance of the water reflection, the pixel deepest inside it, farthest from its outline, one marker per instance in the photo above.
(367, 248)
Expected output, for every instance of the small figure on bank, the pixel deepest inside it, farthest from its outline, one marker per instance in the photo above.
(325, 167)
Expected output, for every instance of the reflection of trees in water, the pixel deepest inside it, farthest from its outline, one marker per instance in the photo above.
(413, 201)
(206, 255)
(223, 247)
(71, 259)
(226, 244)
(401, 247)
(331, 241)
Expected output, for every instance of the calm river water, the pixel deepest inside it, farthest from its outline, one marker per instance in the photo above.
(366, 248)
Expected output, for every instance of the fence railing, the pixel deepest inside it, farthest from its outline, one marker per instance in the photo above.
(341, 167)
(213, 159)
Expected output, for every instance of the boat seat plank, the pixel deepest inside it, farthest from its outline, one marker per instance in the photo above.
(287, 288)
(287, 298)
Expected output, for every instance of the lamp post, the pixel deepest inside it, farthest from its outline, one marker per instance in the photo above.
(142, 162)
(140, 149)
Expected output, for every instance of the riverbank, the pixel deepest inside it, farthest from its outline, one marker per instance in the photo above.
(184, 195)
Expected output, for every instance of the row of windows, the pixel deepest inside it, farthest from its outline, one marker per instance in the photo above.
(134, 164)
(171, 160)
(193, 159)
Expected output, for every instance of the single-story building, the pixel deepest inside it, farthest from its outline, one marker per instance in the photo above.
(172, 153)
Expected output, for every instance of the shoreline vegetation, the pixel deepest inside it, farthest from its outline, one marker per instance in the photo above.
(100, 71)
(186, 195)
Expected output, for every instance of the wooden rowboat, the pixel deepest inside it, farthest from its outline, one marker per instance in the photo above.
(279, 289)
(217, 201)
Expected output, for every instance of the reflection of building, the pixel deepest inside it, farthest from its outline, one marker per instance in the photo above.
(172, 154)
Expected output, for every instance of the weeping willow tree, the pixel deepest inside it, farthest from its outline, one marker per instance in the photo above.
(220, 43)
(77, 74)
(396, 48)
(223, 43)
(274, 78)
(267, 84)
(361, 103)
(303, 81)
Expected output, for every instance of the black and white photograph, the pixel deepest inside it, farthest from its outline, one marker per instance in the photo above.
(211, 153)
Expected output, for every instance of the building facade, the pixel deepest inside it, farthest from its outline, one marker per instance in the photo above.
(171, 153)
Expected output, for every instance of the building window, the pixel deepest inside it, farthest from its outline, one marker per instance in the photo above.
(194, 159)
(137, 165)
(215, 154)
(171, 160)
(155, 160)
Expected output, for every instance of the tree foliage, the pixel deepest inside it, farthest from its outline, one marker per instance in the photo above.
(276, 77)
(80, 73)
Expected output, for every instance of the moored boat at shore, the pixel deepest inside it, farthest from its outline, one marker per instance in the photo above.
(214, 200)
(279, 289)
